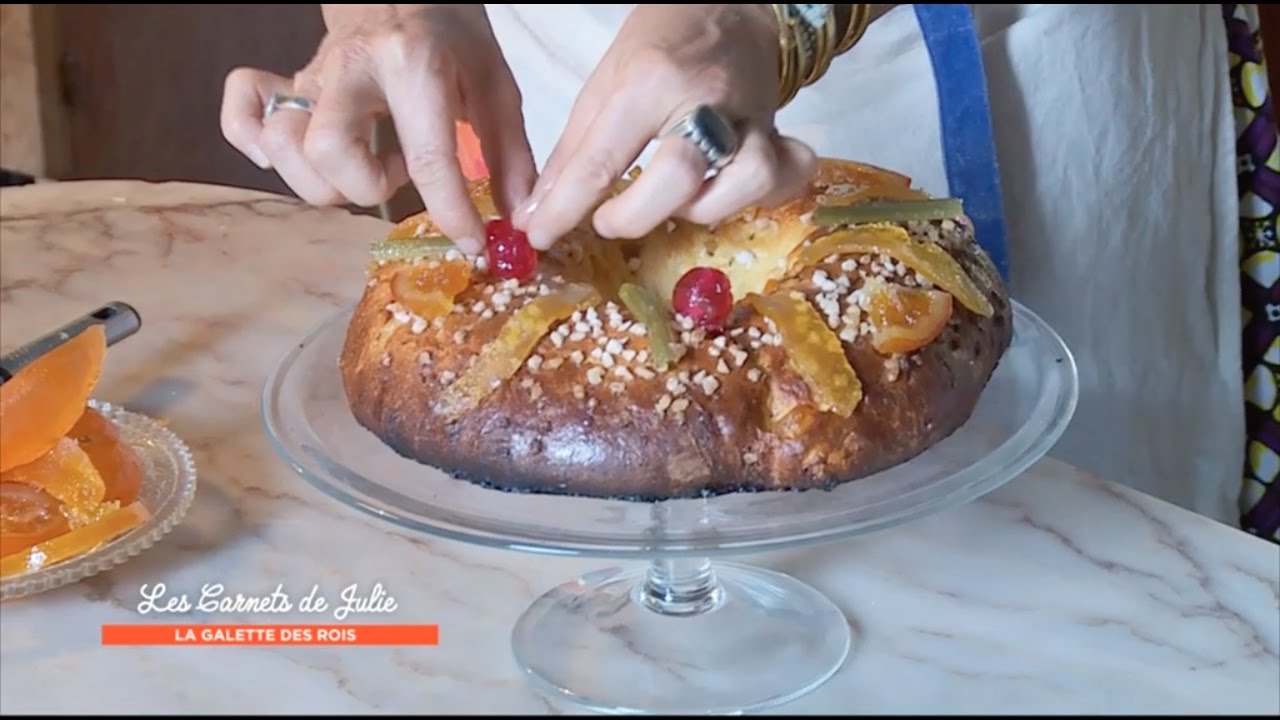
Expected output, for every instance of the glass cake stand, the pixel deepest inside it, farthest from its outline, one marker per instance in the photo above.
(683, 634)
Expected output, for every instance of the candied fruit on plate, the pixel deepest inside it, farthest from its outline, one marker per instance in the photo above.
(72, 482)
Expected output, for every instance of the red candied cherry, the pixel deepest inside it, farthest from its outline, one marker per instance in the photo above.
(508, 251)
(703, 295)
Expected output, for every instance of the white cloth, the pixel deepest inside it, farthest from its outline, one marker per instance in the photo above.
(1114, 130)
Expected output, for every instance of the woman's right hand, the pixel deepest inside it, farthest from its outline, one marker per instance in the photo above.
(426, 66)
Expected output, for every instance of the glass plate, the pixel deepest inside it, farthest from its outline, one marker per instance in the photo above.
(1021, 414)
(683, 636)
(168, 487)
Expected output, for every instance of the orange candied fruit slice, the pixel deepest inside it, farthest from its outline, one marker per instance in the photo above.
(906, 319)
(501, 358)
(929, 260)
(66, 473)
(470, 154)
(428, 289)
(28, 517)
(607, 266)
(42, 401)
(76, 542)
(853, 182)
(115, 459)
(840, 195)
(813, 351)
(409, 228)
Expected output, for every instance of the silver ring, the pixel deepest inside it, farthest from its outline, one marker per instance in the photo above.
(710, 133)
(280, 101)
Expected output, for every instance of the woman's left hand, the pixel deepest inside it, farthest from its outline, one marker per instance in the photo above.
(667, 61)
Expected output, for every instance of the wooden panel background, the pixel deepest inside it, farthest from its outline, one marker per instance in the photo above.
(145, 84)
(21, 139)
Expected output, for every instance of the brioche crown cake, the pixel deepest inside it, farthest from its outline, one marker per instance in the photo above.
(795, 347)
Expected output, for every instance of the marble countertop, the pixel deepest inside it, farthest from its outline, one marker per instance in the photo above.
(1060, 593)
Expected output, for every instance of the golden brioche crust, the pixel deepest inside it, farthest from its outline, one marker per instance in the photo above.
(587, 413)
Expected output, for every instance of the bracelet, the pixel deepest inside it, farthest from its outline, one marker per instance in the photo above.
(810, 40)
(825, 48)
(859, 19)
(788, 72)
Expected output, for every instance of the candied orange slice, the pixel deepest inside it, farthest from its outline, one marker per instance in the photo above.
(42, 401)
(502, 357)
(875, 175)
(66, 473)
(115, 459)
(813, 351)
(428, 289)
(906, 319)
(411, 227)
(607, 266)
(470, 155)
(856, 182)
(929, 260)
(419, 225)
(28, 517)
(877, 191)
(76, 542)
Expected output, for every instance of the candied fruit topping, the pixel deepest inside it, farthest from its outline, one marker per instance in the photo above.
(115, 459)
(813, 351)
(927, 259)
(906, 319)
(410, 249)
(508, 251)
(646, 310)
(429, 289)
(77, 542)
(501, 358)
(28, 516)
(608, 266)
(705, 296)
(67, 473)
(41, 402)
(889, 211)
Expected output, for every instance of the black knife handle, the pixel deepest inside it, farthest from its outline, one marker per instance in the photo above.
(118, 319)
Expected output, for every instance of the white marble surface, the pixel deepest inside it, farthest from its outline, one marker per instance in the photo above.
(1060, 593)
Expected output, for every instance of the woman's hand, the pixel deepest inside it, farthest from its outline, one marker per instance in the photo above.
(426, 66)
(666, 61)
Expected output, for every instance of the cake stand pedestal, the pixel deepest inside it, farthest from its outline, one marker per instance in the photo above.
(688, 634)
(682, 637)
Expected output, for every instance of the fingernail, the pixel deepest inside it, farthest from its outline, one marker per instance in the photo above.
(540, 240)
(259, 158)
(468, 244)
(530, 203)
(524, 212)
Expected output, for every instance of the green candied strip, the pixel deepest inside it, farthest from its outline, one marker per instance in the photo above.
(410, 248)
(889, 211)
(644, 306)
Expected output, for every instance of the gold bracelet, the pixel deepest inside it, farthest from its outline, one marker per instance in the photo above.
(793, 55)
(859, 19)
(807, 45)
(824, 51)
(809, 49)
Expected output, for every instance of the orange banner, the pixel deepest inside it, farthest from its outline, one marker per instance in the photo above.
(270, 634)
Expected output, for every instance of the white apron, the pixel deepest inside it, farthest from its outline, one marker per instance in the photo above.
(1114, 131)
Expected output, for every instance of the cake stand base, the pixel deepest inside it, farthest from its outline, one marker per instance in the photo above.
(682, 637)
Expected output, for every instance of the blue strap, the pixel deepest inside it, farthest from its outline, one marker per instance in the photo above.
(968, 143)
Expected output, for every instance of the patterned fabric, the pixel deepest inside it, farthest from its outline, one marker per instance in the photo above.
(1258, 177)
